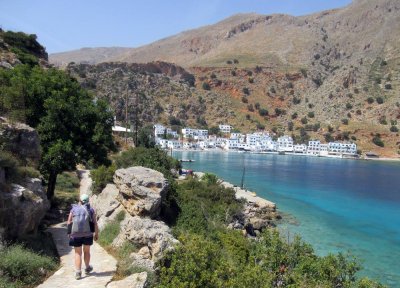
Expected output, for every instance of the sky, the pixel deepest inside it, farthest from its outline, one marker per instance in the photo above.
(64, 25)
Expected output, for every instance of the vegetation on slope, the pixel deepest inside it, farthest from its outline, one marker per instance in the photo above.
(72, 126)
(22, 268)
(210, 255)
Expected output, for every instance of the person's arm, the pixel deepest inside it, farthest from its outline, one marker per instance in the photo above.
(96, 228)
(69, 223)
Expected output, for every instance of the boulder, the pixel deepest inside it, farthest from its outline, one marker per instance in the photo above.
(22, 208)
(140, 261)
(21, 140)
(106, 205)
(141, 190)
(156, 235)
(138, 280)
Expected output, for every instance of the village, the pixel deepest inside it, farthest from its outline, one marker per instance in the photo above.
(257, 142)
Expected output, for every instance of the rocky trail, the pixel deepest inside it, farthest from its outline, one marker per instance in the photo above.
(104, 264)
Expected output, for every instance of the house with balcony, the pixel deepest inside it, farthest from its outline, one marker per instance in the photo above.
(285, 144)
(225, 128)
(300, 148)
(314, 147)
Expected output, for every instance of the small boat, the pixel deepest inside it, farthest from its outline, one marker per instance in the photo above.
(187, 160)
(253, 194)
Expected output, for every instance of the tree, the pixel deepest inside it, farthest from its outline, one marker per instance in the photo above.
(146, 137)
(206, 86)
(72, 126)
(214, 130)
(263, 112)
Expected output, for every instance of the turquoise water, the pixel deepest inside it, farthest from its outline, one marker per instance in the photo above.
(338, 204)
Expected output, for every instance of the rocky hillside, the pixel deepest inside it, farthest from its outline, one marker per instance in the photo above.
(23, 201)
(20, 48)
(330, 75)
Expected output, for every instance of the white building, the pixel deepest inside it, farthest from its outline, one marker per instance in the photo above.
(225, 128)
(159, 130)
(314, 147)
(300, 148)
(342, 148)
(197, 134)
(172, 133)
(189, 132)
(173, 144)
(285, 144)
(162, 143)
(231, 144)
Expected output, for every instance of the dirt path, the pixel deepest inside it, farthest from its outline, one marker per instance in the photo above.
(104, 265)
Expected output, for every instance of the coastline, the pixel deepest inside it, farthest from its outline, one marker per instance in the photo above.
(249, 196)
(385, 159)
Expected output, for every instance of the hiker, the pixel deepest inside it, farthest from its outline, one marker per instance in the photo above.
(82, 229)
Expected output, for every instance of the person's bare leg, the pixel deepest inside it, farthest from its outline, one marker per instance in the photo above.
(86, 255)
(78, 258)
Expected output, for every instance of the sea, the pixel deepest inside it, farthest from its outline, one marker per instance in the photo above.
(337, 205)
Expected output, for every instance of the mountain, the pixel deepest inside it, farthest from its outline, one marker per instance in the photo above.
(87, 55)
(335, 72)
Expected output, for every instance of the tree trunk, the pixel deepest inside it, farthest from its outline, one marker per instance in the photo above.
(51, 186)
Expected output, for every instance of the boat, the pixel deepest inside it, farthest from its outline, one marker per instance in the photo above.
(187, 160)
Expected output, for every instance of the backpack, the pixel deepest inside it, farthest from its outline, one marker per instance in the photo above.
(82, 219)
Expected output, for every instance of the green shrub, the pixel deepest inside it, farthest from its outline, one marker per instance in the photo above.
(10, 164)
(263, 112)
(379, 100)
(66, 191)
(152, 158)
(28, 172)
(246, 91)
(22, 265)
(245, 100)
(210, 179)
(345, 121)
(109, 233)
(67, 182)
(304, 120)
(370, 100)
(378, 141)
(101, 177)
(311, 114)
(206, 86)
(394, 129)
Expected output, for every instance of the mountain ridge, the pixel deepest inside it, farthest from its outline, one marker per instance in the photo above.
(346, 64)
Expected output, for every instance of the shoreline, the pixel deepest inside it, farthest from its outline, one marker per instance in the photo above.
(249, 196)
(383, 159)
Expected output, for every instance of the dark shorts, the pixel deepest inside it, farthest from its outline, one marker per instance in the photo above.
(79, 241)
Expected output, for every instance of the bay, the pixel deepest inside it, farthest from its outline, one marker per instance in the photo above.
(339, 205)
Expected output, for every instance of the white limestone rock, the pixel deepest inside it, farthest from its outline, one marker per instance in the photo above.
(138, 280)
(141, 190)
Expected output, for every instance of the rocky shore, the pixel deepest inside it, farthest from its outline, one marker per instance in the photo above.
(257, 214)
(137, 192)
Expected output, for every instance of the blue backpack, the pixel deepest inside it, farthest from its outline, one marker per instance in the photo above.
(82, 219)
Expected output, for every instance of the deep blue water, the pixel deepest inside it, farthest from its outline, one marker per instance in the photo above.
(338, 204)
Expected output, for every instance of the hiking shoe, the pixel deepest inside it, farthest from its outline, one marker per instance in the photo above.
(89, 269)
(78, 275)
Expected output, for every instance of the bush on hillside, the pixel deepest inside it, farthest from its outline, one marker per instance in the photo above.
(378, 141)
(101, 177)
(394, 129)
(22, 266)
(204, 203)
(153, 158)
